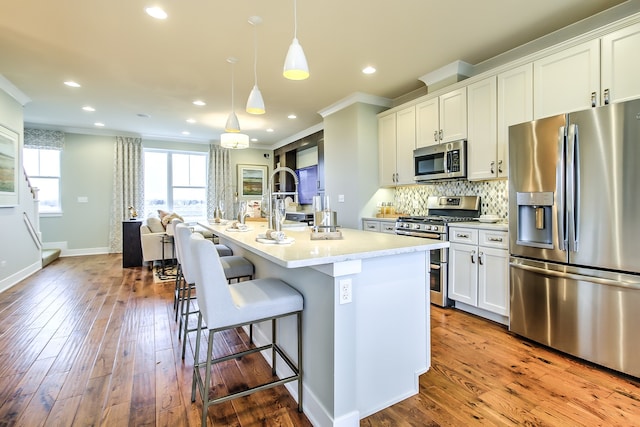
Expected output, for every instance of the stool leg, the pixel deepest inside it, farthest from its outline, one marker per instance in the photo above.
(207, 382)
(196, 359)
(186, 323)
(273, 346)
(300, 361)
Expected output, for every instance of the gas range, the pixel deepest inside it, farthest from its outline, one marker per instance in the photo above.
(441, 211)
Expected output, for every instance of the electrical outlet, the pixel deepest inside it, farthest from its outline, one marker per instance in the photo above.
(345, 291)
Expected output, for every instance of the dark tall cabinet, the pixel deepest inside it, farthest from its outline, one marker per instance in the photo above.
(131, 245)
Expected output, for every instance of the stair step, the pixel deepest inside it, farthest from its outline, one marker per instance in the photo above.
(49, 255)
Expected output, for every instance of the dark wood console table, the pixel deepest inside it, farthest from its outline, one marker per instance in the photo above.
(131, 245)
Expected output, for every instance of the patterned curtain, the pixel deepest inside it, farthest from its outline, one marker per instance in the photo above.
(44, 139)
(128, 186)
(220, 183)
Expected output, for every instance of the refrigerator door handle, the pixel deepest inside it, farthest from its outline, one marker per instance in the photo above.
(573, 187)
(560, 190)
(574, 276)
(576, 189)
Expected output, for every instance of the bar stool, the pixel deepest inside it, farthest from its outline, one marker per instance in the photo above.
(234, 267)
(224, 307)
(180, 286)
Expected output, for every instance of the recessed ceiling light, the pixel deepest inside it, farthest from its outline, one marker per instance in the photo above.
(199, 103)
(71, 83)
(156, 12)
(99, 124)
(186, 132)
(254, 139)
(88, 108)
(269, 130)
(191, 120)
(292, 116)
(143, 115)
(368, 70)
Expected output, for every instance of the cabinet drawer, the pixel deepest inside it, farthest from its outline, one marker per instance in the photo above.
(494, 239)
(463, 235)
(371, 226)
(388, 227)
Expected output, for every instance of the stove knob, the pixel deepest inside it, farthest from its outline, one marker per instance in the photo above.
(434, 228)
(418, 227)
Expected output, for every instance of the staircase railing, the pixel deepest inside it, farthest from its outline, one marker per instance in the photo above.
(32, 231)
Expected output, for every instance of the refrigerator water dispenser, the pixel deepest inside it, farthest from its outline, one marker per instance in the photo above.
(535, 220)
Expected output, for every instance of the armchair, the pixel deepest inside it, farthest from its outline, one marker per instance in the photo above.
(155, 242)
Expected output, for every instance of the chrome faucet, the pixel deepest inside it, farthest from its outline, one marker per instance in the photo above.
(280, 193)
(242, 212)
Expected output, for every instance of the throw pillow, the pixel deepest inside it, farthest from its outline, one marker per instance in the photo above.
(167, 218)
(155, 225)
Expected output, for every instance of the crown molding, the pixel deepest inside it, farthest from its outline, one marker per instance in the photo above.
(13, 91)
(357, 97)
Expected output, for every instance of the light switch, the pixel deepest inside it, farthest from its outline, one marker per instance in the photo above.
(83, 199)
(340, 197)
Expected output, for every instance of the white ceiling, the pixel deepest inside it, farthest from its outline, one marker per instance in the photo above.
(130, 64)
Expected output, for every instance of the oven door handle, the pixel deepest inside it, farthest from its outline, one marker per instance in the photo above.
(424, 235)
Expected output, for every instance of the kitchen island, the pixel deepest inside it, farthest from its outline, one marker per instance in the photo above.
(365, 321)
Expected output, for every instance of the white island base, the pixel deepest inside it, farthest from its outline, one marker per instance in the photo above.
(361, 356)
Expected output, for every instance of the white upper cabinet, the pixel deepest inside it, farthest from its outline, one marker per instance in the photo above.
(482, 143)
(427, 122)
(442, 119)
(515, 105)
(396, 142)
(567, 81)
(387, 150)
(621, 65)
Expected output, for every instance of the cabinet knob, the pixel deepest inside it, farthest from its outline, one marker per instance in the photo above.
(441, 133)
(605, 96)
(493, 167)
(480, 258)
(593, 99)
(435, 136)
(499, 166)
(473, 257)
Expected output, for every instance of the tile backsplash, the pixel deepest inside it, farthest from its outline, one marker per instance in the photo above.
(494, 195)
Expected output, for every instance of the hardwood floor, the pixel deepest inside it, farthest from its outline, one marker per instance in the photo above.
(86, 342)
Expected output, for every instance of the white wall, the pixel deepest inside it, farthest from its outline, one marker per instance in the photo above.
(19, 255)
(351, 161)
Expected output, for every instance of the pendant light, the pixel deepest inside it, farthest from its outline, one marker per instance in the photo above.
(255, 103)
(295, 65)
(232, 121)
(233, 138)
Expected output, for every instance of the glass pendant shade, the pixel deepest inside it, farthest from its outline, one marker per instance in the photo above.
(295, 65)
(255, 103)
(232, 123)
(234, 140)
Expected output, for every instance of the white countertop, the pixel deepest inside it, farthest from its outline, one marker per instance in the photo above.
(304, 252)
(501, 225)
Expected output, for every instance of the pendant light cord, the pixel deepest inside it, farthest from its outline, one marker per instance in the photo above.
(295, 19)
(255, 55)
(233, 108)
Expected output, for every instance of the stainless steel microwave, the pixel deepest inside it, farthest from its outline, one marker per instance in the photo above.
(441, 161)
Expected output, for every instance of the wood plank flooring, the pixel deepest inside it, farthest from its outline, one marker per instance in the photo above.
(85, 342)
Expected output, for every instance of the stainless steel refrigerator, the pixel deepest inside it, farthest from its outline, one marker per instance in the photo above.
(574, 226)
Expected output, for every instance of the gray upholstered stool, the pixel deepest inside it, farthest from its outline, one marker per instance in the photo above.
(180, 289)
(235, 268)
(224, 306)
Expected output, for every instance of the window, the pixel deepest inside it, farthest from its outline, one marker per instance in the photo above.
(175, 181)
(43, 168)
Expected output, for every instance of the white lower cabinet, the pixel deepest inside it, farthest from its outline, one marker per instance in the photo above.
(479, 271)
